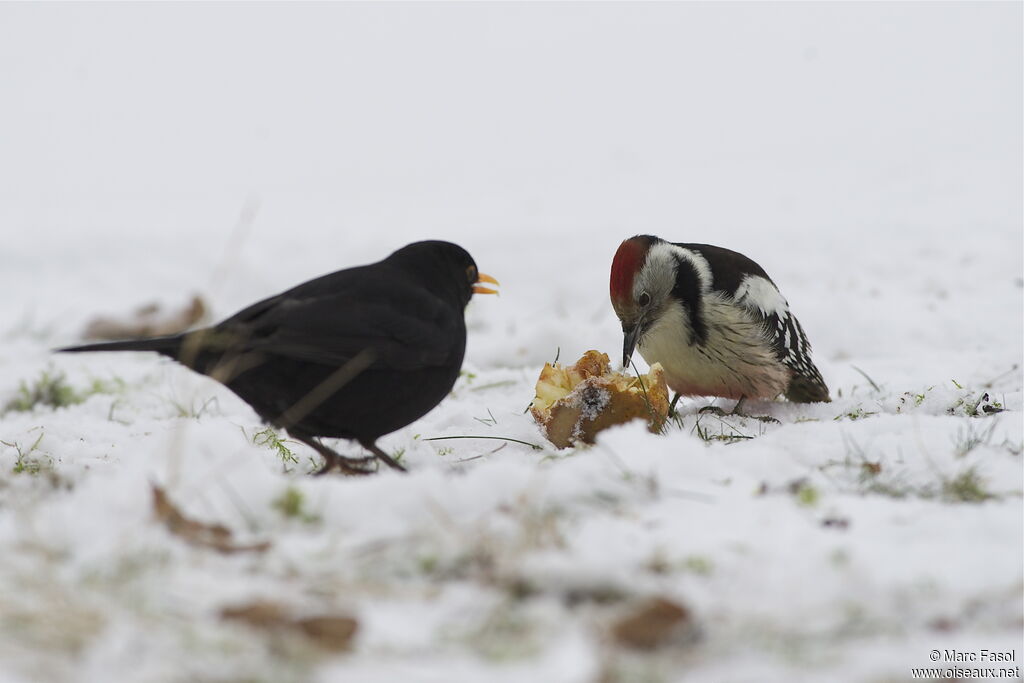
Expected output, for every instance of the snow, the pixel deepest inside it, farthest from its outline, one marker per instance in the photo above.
(868, 156)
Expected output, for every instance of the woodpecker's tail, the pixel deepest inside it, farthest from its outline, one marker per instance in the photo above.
(808, 388)
(168, 346)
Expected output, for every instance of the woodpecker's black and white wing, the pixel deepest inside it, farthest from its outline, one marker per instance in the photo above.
(789, 342)
(749, 286)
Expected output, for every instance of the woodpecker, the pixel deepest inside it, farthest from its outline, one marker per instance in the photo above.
(714, 320)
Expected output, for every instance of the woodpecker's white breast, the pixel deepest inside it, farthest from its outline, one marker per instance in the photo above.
(735, 360)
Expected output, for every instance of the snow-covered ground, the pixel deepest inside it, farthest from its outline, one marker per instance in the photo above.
(869, 156)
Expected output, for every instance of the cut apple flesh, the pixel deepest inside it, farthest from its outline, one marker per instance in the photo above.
(574, 403)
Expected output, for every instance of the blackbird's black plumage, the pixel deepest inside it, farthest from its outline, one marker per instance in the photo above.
(355, 354)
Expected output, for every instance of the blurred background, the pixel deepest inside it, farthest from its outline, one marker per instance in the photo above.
(867, 155)
(863, 151)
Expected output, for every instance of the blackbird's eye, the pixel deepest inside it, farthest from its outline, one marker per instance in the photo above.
(471, 274)
(644, 299)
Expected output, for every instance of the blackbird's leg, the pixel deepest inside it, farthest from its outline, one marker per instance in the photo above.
(332, 459)
(381, 455)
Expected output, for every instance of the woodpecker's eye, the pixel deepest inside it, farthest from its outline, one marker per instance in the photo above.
(644, 299)
(471, 274)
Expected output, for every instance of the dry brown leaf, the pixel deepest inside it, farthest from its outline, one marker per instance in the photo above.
(330, 632)
(215, 536)
(150, 320)
(652, 625)
(258, 614)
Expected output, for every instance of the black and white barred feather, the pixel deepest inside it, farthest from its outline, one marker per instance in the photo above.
(713, 319)
(747, 283)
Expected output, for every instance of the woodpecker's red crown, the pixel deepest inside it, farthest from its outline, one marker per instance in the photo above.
(629, 257)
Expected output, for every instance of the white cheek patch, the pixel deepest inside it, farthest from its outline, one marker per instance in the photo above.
(657, 275)
(756, 292)
(659, 272)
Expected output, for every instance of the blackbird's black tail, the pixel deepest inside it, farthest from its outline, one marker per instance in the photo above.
(169, 346)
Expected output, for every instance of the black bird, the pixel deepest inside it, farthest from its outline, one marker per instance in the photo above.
(355, 354)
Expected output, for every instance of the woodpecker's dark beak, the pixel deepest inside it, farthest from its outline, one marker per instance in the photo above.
(630, 337)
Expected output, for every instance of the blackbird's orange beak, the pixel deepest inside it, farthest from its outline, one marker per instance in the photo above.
(480, 289)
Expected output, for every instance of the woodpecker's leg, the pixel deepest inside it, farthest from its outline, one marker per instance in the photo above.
(381, 455)
(672, 406)
(332, 459)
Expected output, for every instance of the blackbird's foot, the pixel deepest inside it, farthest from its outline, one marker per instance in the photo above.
(382, 456)
(350, 466)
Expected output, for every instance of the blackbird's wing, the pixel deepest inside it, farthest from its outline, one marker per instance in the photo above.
(335, 318)
(335, 329)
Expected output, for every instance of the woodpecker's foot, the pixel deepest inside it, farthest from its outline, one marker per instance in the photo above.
(735, 412)
(763, 418)
(713, 410)
(382, 456)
